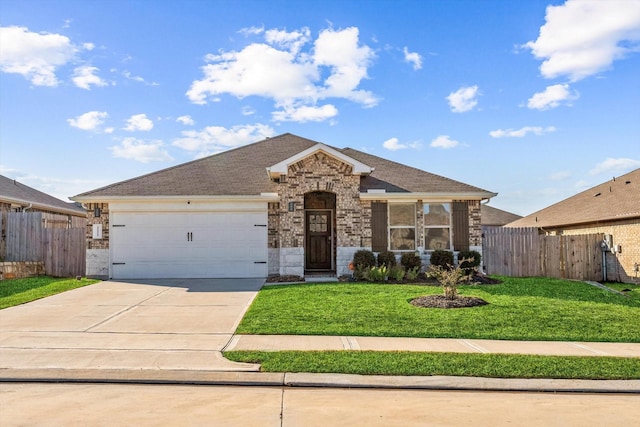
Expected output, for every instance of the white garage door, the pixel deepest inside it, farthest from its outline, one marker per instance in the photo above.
(188, 245)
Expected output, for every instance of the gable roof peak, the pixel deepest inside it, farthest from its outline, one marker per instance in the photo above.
(282, 167)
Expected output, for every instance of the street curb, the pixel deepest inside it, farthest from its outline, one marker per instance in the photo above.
(275, 379)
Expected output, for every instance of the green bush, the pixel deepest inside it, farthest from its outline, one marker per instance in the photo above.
(387, 258)
(397, 272)
(442, 259)
(469, 261)
(411, 260)
(376, 274)
(412, 274)
(362, 261)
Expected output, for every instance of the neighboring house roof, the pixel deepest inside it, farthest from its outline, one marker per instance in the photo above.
(613, 200)
(16, 193)
(244, 171)
(495, 216)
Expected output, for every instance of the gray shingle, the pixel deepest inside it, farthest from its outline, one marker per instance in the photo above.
(242, 171)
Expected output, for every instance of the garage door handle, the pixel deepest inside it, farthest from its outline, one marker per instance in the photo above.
(259, 262)
(118, 263)
(259, 225)
(189, 237)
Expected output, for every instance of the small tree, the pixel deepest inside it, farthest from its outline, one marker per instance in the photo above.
(449, 277)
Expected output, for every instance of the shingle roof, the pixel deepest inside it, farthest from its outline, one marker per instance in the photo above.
(12, 191)
(242, 172)
(494, 216)
(612, 200)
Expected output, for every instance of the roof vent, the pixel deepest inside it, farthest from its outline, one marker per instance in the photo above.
(627, 182)
(596, 195)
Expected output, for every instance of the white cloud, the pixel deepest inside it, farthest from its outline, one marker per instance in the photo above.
(464, 99)
(305, 113)
(444, 141)
(583, 37)
(292, 41)
(84, 77)
(141, 151)
(214, 139)
(130, 76)
(293, 77)
(394, 144)
(36, 56)
(519, 133)
(413, 58)
(90, 121)
(139, 122)
(620, 165)
(552, 97)
(186, 120)
(248, 31)
(247, 111)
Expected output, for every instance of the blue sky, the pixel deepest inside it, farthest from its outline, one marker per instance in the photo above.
(534, 100)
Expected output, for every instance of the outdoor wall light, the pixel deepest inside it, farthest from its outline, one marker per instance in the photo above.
(97, 212)
(292, 206)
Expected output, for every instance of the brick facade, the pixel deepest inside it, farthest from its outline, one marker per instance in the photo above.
(102, 219)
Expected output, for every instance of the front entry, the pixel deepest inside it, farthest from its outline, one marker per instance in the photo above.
(318, 248)
(319, 217)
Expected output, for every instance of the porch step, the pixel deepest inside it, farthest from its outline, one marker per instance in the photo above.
(320, 278)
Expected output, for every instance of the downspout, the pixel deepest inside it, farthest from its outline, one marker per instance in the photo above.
(27, 208)
(604, 247)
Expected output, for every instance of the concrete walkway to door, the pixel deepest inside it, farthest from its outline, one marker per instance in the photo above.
(172, 324)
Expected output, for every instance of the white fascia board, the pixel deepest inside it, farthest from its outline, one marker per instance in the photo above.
(42, 206)
(282, 168)
(435, 197)
(264, 197)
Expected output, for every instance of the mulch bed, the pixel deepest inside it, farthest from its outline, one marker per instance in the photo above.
(439, 301)
(284, 279)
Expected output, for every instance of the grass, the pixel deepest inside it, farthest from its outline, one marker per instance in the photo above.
(19, 291)
(454, 364)
(519, 309)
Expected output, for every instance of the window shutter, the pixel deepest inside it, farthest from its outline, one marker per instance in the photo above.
(460, 226)
(379, 234)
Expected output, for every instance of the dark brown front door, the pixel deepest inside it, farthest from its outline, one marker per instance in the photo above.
(318, 248)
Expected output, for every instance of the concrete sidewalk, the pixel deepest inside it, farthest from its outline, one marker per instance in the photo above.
(440, 345)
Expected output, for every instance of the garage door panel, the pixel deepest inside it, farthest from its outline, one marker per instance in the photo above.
(189, 245)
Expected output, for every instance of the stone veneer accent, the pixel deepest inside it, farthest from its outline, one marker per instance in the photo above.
(21, 269)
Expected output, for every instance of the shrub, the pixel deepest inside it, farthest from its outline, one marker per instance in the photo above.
(397, 272)
(376, 274)
(469, 261)
(449, 277)
(412, 274)
(442, 259)
(362, 260)
(387, 258)
(411, 260)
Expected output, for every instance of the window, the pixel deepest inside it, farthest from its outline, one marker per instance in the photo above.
(402, 227)
(437, 226)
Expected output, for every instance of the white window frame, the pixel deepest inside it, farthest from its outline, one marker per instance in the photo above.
(426, 204)
(413, 227)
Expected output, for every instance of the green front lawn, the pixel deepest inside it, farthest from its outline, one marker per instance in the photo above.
(19, 291)
(454, 364)
(519, 309)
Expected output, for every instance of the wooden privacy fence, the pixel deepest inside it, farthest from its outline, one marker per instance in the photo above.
(56, 240)
(523, 252)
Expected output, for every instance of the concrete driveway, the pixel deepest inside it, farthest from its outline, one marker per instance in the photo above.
(141, 324)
